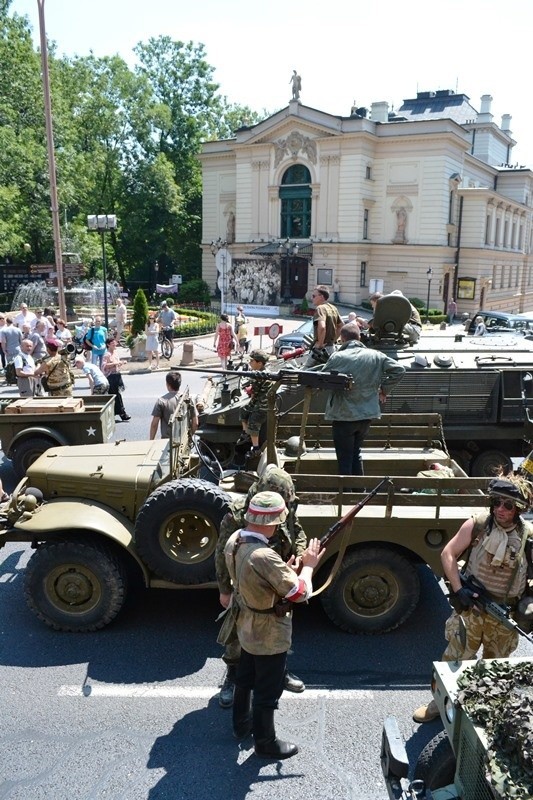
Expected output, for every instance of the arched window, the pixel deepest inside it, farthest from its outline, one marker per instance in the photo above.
(295, 196)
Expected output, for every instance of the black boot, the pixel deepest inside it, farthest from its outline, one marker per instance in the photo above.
(266, 744)
(242, 712)
(225, 697)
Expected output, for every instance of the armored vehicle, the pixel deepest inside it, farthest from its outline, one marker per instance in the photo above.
(29, 426)
(484, 750)
(111, 509)
(474, 383)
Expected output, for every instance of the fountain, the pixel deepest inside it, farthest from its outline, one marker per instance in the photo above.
(85, 299)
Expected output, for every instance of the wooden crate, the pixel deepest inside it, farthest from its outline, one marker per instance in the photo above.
(46, 405)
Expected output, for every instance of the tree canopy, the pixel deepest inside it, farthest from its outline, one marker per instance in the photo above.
(126, 143)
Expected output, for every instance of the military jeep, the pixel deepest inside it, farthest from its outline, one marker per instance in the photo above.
(111, 509)
(484, 750)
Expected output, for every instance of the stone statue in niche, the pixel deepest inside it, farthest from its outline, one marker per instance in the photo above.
(401, 226)
(230, 228)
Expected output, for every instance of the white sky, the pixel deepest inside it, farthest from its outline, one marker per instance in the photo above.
(362, 51)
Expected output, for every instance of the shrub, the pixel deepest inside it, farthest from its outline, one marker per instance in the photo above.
(304, 305)
(140, 313)
(417, 303)
(194, 291)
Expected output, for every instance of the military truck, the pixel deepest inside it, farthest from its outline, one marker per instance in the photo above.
(29, 426)
(474, 383)
(111, 509)
(484, 750)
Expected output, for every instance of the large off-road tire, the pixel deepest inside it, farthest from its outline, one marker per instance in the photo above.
(436, 763)
(177, 530)
(374, 591)
(27, 451)
(75, 586)
(489, 463)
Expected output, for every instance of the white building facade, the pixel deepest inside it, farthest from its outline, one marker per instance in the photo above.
(372, 201)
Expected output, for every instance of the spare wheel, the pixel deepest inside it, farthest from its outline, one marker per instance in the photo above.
(177, 529)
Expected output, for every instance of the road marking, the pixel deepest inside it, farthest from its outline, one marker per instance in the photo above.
(199, 692)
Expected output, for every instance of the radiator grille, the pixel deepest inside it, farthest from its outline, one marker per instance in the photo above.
(471, 770)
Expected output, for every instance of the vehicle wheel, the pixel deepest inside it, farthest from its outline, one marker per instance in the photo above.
(27, 451)
(75, 586)
(436, 763)
(177, 530)
(374, 591)
(488, 464)
(166, 348)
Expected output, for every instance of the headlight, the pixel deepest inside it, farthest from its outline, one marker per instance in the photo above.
(449, 710)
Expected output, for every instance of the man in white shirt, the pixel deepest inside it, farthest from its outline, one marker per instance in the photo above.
(23, 316)
(25, 369)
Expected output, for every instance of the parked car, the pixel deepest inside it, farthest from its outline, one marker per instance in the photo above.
(498, 320)
(289, 341)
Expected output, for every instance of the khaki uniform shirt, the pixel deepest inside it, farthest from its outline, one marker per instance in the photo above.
(331, 317)
(260, 578)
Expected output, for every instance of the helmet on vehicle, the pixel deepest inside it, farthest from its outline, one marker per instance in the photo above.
(266, 508)
(292, 446)
(275, 479)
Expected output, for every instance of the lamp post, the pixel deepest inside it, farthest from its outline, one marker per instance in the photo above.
(102, 223)
(287, 249)
(429, 273)
(220, 246)
(156, 275)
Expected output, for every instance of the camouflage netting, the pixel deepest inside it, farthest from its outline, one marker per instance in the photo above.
(498, 696)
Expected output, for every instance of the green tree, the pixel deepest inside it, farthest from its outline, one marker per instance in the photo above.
(140, 313)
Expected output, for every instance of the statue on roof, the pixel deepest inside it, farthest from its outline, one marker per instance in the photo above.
(296, 82)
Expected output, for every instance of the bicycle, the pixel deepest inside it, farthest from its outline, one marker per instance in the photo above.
(167, 345)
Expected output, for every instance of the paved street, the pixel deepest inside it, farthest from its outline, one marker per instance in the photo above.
(131, 712)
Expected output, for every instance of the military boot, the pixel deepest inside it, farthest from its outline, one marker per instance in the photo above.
(225, 696)
(242, 712)
(426, 713)
(292, 683)
(266, 743)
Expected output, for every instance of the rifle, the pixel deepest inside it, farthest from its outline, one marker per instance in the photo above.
(292, 377)
(498, 612)
(282, 606)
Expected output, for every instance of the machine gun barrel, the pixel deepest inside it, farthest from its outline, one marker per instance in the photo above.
(316, 380)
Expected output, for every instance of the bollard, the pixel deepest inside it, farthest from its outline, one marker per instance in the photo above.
(188, 355)
(443, 325)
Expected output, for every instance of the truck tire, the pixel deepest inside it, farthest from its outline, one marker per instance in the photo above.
(436, 763)
(489, 462)
(176, 530)
(374, 591)
(27, 451)
(75, 586)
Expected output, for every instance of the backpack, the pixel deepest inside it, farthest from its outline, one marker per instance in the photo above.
(87, 339)
(10, 373)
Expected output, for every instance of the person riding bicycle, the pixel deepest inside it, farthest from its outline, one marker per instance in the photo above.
(167, 319)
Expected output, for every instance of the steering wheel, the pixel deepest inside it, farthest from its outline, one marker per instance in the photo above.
(208, 458)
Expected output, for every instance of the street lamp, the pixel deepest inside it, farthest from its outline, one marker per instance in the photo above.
(102, 223)
(287, 249)
(220, 246)
(156, 277)
(429, 273)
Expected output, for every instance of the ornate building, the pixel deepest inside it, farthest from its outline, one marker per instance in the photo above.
(373, 200)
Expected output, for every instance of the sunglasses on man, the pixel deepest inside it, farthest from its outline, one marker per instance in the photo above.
(507, 504)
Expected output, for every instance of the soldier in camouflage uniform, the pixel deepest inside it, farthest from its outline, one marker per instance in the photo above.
(289, 540)
(261, 580)
(499, 546)
(254, 413)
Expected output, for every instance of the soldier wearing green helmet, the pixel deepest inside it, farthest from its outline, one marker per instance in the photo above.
(289, 540)
(260, 580)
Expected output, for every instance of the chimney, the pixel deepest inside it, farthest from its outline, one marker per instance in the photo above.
(379, 112)
(506, 123)
(485, 115)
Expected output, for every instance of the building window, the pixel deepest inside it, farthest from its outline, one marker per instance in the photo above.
(295, 196)
(450, 208)
(362, 275)
(366, 215)
(487, 229)
(368, 174)
(497, 233)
